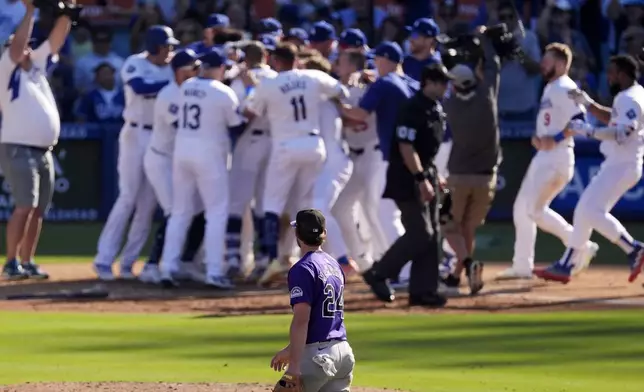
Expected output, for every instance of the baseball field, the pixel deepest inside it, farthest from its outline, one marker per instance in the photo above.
(515, 336)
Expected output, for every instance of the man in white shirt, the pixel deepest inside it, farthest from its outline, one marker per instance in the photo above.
(30, 129)
(623, 148)
(101, 53)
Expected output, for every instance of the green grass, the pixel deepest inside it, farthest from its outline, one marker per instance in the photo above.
(589, 352)
(495, 241)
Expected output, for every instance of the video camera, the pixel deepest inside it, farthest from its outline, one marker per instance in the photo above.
(58, 8)
(466, 49)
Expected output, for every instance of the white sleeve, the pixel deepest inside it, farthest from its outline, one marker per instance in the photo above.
(626, 112)
(130, 70)
(40, 56)
(6, 66)
(329, 86)
(255, 102)
(231, 114)
(165, 112)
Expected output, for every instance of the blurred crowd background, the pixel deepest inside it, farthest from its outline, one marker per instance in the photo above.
(113, 29)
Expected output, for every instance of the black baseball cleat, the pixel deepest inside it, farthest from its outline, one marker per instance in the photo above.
(12, 270)
(428, 300)
(474, 272)
(169, 283)
(34, 271)
(451, 281)
(379, 285)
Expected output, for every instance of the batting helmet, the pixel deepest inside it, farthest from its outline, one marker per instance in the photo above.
(158, 36)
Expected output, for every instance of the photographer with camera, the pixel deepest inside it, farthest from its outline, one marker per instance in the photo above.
(476, 152)
(30, 130)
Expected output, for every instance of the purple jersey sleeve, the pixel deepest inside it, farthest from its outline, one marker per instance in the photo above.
(301, 284)
(373, 95)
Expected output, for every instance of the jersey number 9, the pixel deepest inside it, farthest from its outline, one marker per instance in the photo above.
(191, 116)
(334, 302)
(546, 119)
(299, 108)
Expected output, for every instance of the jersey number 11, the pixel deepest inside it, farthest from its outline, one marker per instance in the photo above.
(299, 108)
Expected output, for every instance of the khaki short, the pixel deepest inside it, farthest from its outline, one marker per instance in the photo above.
(472, 196)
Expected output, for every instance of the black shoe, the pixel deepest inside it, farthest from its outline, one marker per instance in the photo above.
(34, 271)
(474, 272)
(380, 286)
(169, 283)
(12, 270)
(428, 301)
(451, 281)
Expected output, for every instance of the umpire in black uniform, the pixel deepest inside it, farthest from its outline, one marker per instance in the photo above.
(412, 182)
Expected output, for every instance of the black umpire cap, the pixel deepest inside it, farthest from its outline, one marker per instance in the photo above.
(436, 73)
(309, 224)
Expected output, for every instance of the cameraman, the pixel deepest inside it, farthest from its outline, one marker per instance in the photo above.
(472, 115)
(30, 130)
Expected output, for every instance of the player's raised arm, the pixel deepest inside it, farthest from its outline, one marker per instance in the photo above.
(602, 113)
(60, 31)
(18, 46)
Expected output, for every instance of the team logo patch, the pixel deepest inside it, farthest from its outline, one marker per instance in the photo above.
(130, 69)
(631, 114)
(296, 292)
(546, 104)
(174, 109)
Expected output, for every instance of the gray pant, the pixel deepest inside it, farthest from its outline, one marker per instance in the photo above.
(29, 171)
(328, 367)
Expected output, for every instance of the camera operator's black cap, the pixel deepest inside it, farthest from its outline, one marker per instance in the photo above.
(309, 223)
(436, 72)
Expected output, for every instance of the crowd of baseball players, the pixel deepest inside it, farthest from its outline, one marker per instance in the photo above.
(230, 140)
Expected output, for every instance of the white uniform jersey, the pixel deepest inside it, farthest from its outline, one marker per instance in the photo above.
(207, 108)
(628, 110)
(140, 108)
(166, 111)
(557, 109)
(29, 111)
(245, 95)
(331, 130)
(363, 135)
(291, 101)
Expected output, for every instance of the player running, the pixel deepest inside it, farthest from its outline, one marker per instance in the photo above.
(551, 169)
(318, 356)
(144, 75)
(292, 103)
(623, 147)
(207, 110)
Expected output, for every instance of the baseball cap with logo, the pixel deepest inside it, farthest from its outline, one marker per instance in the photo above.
(215, 57)
(185, 58)
(217, 20)
(269, 41)
(298, 33)
(352, 38)
(425, 27)
(322, 31)
(389, 50)
(309, 224)
(270, 26)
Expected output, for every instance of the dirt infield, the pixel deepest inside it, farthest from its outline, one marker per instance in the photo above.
(150, 387)
(597, 288)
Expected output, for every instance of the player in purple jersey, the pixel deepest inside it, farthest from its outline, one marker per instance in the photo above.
(318, 354)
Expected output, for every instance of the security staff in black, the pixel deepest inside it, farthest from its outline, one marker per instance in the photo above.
(412, 182)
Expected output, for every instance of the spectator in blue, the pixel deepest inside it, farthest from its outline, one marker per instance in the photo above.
(385, 95)
(214, 25)
(104, 103)
(519, 104)
(84, 72)
(323, 39)
(422, 47)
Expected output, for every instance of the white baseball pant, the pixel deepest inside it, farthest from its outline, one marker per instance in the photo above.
(158, 169)
(334, 177)
(198, 170)
(135, 195)
(545, 178)
(610, 183)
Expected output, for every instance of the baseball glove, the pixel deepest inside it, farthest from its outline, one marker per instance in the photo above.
(289, 383)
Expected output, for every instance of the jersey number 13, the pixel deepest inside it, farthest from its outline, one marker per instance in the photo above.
(191, 116)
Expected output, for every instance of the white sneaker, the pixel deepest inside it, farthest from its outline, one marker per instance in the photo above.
(220, 282)
(512, 274)
(275, 269)
(150, 274)
(583, 261)
(104, 272)
(192, 271)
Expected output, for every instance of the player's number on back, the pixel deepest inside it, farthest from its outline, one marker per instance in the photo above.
(299, 108)
(334, 301)
(191, 116)
(546, 119)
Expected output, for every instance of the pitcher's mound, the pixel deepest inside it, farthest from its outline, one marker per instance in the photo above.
(147, 387)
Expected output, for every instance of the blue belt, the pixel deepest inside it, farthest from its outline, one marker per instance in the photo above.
(136, 125)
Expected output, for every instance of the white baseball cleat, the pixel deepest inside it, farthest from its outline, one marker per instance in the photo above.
(220, 282)
(104, 272)
(274, 270)
(582, 262)
(150, 274)
(192, 271)
(512, 274)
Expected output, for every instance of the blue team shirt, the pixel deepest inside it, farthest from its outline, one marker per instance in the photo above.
(413, 67)
(93, 107)
(318, 280)
(384, 97)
